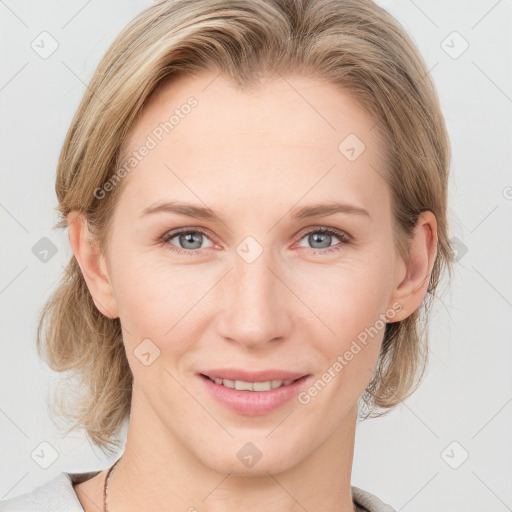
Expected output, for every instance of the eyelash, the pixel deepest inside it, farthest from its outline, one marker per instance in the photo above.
(165, 240)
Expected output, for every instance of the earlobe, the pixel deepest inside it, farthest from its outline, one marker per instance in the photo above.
(412, 288)
(92, 263)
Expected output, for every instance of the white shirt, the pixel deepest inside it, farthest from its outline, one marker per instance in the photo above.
(58, 495)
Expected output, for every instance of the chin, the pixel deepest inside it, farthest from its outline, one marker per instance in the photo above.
(252, 459)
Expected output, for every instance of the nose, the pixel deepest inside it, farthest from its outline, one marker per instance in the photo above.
(256, 305)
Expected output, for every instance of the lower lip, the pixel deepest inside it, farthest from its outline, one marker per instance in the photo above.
(254, 403)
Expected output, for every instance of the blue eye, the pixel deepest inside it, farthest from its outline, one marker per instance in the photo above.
(185, 237)
(191, 240)
(326, 234)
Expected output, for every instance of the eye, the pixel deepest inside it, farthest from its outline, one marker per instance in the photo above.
(190, 240)
(321, 237)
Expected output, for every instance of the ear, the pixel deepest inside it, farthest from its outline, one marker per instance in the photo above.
(411, 288)
(92, 263)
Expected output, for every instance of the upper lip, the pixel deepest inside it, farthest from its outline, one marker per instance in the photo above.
(259, 376)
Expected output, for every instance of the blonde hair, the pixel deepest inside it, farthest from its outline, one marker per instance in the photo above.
(353, 43)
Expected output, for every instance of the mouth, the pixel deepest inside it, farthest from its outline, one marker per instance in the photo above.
(242, 385)
(253, 397)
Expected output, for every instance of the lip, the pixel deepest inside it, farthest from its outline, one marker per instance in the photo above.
(258, 376)
(254, 403)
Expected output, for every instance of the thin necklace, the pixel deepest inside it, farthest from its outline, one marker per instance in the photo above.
(111, 472)
(105, 489)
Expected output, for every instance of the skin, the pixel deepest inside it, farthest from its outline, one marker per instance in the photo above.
(251, 157)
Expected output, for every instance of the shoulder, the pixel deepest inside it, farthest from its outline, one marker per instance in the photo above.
(56, 495)
(369, 501)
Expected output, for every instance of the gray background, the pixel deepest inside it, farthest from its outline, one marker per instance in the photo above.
(414, 458)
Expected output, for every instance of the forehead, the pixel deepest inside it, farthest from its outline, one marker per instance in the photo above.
(287, 138)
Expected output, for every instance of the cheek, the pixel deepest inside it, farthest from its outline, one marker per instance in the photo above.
(348, 341)
(347, 296)
(161, 302)
(349, 304)
(338, 299)
(154, 292)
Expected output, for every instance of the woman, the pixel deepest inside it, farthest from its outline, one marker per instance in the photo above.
(256, 199)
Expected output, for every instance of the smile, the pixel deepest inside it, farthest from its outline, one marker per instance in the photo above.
(253, 398)
(251, 386)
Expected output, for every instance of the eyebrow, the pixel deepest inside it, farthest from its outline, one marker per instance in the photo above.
(205, 213)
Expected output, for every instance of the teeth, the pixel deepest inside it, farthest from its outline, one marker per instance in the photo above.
(252, 386)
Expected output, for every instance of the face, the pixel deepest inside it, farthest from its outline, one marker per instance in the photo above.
(256, 285)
